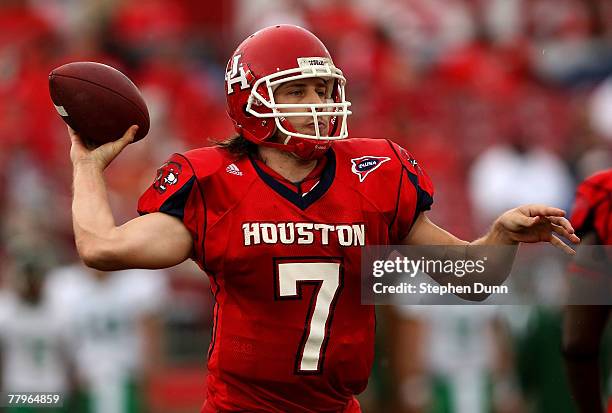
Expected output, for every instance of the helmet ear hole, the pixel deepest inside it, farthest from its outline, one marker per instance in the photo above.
(244, 111)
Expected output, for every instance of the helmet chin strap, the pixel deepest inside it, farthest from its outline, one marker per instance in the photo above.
(306, 149)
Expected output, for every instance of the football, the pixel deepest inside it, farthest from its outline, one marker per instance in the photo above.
(98, 101)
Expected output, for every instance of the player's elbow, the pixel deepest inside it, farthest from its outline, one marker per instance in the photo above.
(95, 258)
(98, 254)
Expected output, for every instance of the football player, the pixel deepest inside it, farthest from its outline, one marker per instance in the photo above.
(34, 337)
(276, 216)
(111, 316)
(584, 325)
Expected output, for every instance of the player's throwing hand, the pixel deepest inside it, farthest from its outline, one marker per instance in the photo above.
(101, 156)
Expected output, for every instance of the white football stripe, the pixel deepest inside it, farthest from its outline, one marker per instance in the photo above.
(61, 110)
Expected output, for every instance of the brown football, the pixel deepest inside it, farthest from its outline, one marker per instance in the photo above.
(98, 101)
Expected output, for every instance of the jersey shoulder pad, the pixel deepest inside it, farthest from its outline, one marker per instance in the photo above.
(360, 149)
(206, 161)
(602, 180)
(360, 146)
(594, 188)
(589, 195)
(366, 156)
(175, 179)
(406, 159)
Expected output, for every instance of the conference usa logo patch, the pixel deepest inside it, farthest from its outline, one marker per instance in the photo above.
(363, 165)
(167, 175)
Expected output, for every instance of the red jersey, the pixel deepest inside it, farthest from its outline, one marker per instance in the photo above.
(290, 333)
(593, 207)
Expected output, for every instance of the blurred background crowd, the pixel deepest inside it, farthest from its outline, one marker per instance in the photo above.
(502, 102)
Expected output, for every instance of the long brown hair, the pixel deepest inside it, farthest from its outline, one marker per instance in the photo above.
(237, 145)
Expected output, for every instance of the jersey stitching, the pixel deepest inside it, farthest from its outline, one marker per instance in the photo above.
(106, 88)
(420, 192)
(202, 241)
(204, 266)
(399, 187)
(235, 205)
(215, 328)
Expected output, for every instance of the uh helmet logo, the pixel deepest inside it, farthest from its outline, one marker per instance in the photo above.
(237, 75)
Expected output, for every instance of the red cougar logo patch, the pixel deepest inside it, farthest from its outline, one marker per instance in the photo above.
(167, 175)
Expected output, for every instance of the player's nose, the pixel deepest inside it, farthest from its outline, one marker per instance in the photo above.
(313, 96)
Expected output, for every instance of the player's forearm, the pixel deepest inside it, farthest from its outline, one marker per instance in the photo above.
(498, 251)
(92, 217)
(498, 260)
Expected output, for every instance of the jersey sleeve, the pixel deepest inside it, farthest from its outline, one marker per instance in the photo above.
(415, 194)
(591, 212)
(581, 212)
(175, 191)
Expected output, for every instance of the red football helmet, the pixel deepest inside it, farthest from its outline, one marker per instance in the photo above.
(265, 60)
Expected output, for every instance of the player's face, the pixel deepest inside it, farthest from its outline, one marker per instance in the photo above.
(304, 91)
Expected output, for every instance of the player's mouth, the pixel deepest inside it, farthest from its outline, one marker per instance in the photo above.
(322, 127)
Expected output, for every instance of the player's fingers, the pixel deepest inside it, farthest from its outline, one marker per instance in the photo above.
(565, 233)
(544, 210)
(525, 221)
(561, 245)
(129, 135)
(74, 136)
(563, 222)
(109, 151)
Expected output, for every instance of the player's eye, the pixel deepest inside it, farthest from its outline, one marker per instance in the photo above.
(296, 92)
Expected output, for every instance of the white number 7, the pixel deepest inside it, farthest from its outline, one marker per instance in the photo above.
(326, 275)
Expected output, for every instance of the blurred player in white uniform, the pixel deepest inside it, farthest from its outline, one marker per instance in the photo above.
(114, 325)
(454, 360)
(33, 338)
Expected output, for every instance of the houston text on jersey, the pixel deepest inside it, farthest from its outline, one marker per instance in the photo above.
(303, 233)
